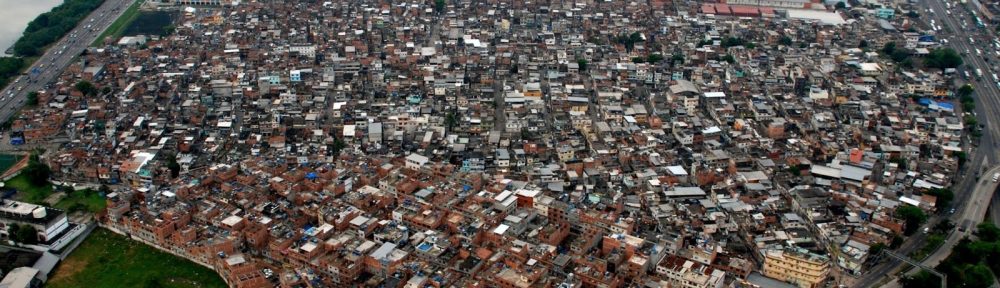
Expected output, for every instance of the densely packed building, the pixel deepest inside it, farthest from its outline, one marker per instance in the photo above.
(509, 143)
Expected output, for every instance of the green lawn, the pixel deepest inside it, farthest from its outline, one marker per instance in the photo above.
(26, 191)
(118, 27)
(84, 200)
(107, 259)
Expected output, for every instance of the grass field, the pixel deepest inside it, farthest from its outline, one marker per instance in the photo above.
(86, 200)
(27, 192)
(110, 260)
(118, 27)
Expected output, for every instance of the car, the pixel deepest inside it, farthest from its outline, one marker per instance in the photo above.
(996, 176)
(927, 230)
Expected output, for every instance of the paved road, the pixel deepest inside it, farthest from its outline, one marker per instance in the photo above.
(974, 212)
(60, 55)
(984, 155)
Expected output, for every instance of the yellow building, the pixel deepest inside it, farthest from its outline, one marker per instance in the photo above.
(796, 266)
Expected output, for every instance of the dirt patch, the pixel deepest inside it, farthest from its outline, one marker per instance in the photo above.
(68, 268)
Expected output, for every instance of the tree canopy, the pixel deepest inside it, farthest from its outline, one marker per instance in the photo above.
(48, 27)
(943, 58)
(86, 88)
(24, 234)
(944, 196)
(785, 40)
(36, 171)
(966, 90)
(913, 216)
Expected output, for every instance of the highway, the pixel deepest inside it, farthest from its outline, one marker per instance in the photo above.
(968, 205)
(59, 55)
(975, 211)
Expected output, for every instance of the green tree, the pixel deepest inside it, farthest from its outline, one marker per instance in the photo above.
(337, 146)
(978, 275)
(965, 90)
(173, 166)
(988, 232)
(961, 157)
(863, 44)
(785, 40)
(638, 60)
(24, 234)
(729, 58)
(795, 170)
(48, 27)
(450, 120)
(653, 58)
(439, 5)
(86, 88)
(944, 196)
(169, 29)
(629, 40)
(32, 98)
(677, 58)
(899, 55)
(732, 41)
(921, 280)
(877, 248)
(913, 216)
(582, 63)
(970, 121)
(36, 171)
(840, 5)
(889, 48)
(943, 58)
(896, 241)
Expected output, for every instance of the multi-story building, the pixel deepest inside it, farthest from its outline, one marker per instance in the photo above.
(680, 272)
(49, 222)
(796, 266)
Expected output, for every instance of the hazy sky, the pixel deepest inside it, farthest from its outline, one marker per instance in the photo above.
(16, 14)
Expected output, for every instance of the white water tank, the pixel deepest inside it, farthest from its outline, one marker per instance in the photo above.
(38, 212)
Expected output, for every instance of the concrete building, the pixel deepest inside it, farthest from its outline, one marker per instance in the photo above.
(796, 266)
(47, 221)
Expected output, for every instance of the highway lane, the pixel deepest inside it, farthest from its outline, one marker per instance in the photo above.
(59, 55)
(975, 212)
(987, 91)
(988, 113)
